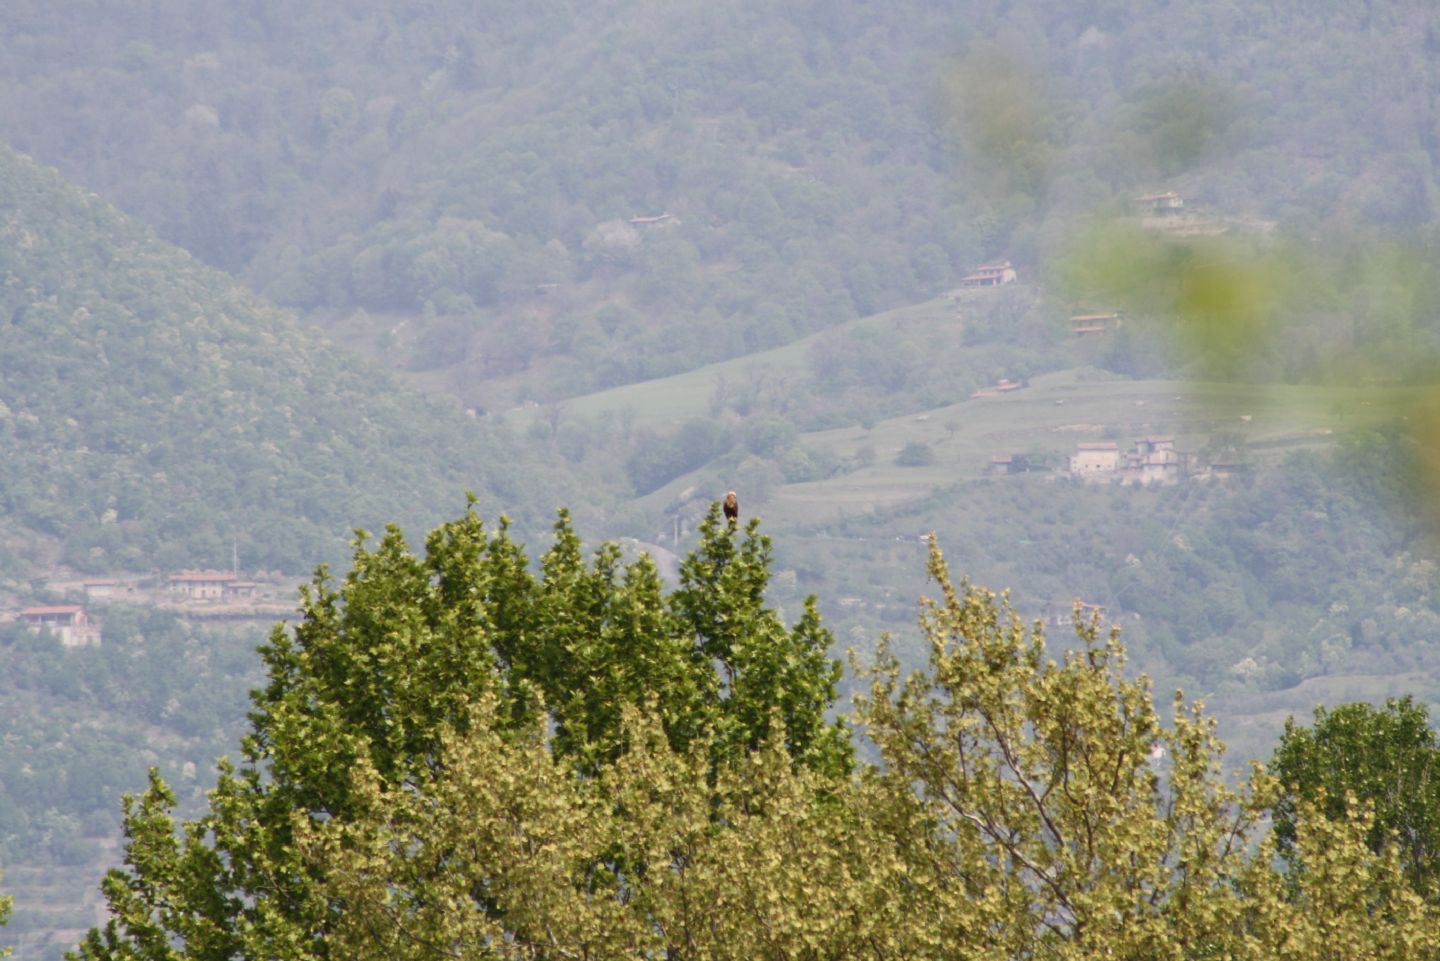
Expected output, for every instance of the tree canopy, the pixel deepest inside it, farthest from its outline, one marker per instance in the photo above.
(6, 904)
(457, 756)
(1387, 759)
(399, 656)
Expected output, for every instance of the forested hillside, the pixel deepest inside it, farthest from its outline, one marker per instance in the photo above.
(80, 727)
(1306, 576)
(153, 412)
(490, 185)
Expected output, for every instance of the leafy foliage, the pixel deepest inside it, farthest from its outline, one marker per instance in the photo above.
(6, 905)
(1021, 810)
(386, 666)
(1053, 815)
(507, 852)
(1043, 778)
(1388, 760)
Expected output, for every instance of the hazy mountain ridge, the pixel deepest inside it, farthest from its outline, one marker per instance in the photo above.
(820, 161)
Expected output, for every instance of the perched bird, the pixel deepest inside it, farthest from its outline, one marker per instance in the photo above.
(732, 508)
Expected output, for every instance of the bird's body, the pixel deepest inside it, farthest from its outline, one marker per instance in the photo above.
(732, 508)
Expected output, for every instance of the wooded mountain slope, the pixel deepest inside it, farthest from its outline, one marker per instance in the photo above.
(152, 410)
(818, 161)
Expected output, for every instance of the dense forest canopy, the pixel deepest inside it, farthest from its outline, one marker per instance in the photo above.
(816, 161)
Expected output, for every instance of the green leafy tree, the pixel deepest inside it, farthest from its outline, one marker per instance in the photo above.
(915, 454)
(1340, 901)
(1388, 759)
(388, 663)
(1041, 821)
(764, 668)
(1022, 812)
(7, 903)
(1039, 777)
(503, 853)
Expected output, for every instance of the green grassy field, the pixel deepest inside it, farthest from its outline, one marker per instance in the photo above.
(1059, 410)
(1046, 418)
(668, 400)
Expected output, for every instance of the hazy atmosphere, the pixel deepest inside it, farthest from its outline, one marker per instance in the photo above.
(1105, 316)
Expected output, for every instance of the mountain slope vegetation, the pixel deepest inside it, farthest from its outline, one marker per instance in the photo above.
(594, 194)
(153, 412)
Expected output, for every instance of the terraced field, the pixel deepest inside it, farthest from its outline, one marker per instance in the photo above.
(1054, 413)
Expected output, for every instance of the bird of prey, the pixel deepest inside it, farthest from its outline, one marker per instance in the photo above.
(732, 508)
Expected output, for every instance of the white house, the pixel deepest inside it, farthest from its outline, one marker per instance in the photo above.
(1095, 458)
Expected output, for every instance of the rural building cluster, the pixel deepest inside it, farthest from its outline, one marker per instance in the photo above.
(1082, 324)
(990, 275)
(1153, 460)
(68, 622)
(199, 595)
(1165, 204)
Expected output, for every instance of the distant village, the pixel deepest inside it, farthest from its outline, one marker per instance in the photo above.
(194, 595)
(1149, 461)
(1152, 460)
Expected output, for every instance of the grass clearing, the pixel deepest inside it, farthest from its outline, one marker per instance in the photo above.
(670, 400)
